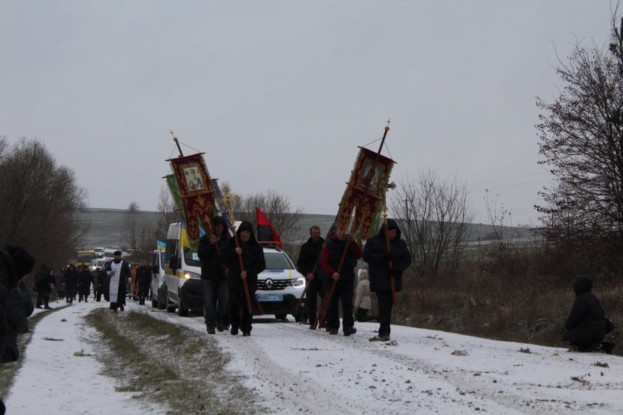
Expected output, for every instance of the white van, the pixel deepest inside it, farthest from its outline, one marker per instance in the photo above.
(182, 274)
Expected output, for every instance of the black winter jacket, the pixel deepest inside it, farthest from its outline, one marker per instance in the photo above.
(212, 264)
(375, 254)
(252, 258)
(309, 256)
(587, 322)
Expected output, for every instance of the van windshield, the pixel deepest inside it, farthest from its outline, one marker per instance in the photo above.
(191, 257)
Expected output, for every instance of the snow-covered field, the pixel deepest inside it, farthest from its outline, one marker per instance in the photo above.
(293, 369)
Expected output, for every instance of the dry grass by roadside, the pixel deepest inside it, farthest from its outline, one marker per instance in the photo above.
(508, 294)
(168, 364)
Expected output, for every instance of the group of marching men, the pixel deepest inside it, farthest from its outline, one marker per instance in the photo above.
(230, 267)
(71, 282)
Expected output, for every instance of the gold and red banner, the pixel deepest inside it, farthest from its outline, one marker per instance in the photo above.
(365, 193)
(197, 192)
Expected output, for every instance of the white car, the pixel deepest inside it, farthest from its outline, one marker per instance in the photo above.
(280, 286)
(97, 263)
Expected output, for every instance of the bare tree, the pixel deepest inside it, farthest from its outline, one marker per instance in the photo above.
(277, 208)
(168, 214)
(581, 138)
(133, 226)
(38, 202)
(435, 218)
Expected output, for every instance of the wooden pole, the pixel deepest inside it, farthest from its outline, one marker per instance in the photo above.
(384, 136)
(177, 143)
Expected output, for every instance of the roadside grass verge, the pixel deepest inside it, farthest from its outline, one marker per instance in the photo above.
(167, 364)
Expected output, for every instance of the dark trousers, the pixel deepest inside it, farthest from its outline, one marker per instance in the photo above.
(215, 302)
(314, 289)
(43, 299)
(344, 292)
(238, 311)
(143, 291)
(385, 312)
(361, 314)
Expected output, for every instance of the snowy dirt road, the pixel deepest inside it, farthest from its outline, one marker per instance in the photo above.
(292, 369)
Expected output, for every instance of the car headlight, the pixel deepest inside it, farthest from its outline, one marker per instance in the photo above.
(299, 282)
(188, 275)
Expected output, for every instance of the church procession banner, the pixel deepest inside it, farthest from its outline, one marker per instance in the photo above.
(196, 191)
(365, 193)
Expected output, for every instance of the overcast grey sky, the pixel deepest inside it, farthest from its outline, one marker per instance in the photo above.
(279, 94)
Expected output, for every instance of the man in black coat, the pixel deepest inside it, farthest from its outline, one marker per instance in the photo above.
(340, 245)
(44, 280)
(71, 283)
(586, 326)
(253, 262)
(84, 284)
(383, 265)
(15, 263)
(307, 265)
(143, 278)
(214, 275)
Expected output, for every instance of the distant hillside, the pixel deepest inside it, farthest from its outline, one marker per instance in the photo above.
(106, 227)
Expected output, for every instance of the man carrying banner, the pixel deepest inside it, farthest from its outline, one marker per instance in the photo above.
(387, 257)
(244, 263)
(214, 274)
(340, 253)
(307, 265)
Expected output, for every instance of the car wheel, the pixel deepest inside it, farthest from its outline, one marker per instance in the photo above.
(298, 317)
(281, 316)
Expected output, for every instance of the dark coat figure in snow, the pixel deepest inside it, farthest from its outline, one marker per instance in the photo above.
(143, 278)
(307, 265)
(84, 284)
(375, 253)
(253, 263)
(71, 283)
(15, 262)
(44, 283)
(587, 325)
(211, 251)
(330, 259)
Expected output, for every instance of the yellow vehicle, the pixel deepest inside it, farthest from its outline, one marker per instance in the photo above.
(84, 257)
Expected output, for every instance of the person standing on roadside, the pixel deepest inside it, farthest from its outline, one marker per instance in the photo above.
(143, 279)
(15, 263)
(363, 302)
(214, 275)
(84, 284)
(251, 256)
(71, 283)
(344, 279)
(60, 283)
(119, 272)
(307, 264)
(384, 265)
(44, 281)
(100, 283)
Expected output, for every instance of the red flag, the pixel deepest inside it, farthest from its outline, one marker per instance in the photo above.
(265, 230)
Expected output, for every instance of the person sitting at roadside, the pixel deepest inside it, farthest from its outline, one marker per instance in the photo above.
(587, 324)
